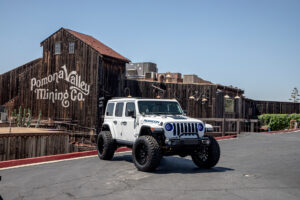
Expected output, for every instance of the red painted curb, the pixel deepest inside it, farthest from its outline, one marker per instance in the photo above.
(226, 137)
(12, 163)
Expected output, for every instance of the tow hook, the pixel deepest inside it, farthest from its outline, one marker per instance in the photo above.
(167, 141)
(206, 142)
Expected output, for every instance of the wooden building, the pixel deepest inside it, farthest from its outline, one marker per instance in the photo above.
(72, 81)
(199, 100)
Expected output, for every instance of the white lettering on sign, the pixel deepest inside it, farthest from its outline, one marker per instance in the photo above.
(77, 91)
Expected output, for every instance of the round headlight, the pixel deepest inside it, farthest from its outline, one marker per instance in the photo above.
(200, 127)
(169, 127)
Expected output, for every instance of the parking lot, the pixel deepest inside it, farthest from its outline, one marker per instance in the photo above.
(253, 166)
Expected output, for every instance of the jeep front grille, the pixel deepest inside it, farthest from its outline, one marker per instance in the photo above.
(184, 129)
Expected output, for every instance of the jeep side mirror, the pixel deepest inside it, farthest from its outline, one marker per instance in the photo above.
(131, 113)
(184, 112)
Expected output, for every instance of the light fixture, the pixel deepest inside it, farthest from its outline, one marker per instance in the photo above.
(191, 97)
(226, 96)
(125, 91)
(204, 99)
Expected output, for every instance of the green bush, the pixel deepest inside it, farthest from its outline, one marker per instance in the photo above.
(277, 121)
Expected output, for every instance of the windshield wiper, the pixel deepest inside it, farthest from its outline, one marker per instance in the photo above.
(159, 113)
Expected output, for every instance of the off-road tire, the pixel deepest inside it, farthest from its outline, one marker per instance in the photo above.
(213, 155)
(147, 146)
(106, 146)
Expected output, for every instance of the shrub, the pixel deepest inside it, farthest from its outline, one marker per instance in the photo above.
(278, 121)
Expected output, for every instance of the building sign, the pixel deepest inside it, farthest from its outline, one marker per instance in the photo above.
(229, 105)
(76, 92)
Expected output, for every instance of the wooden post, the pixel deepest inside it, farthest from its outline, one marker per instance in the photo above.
(238, 126)
(223, 127)
(252, 127)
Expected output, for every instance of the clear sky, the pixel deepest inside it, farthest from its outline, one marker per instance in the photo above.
(250, 44)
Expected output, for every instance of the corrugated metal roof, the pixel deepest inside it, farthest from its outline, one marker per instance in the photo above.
(97, 45)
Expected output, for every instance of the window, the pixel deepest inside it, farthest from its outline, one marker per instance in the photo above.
(71, 47)
(119, 109)
(129, 107)
(159, 107)
(57, 48)
(110, 109)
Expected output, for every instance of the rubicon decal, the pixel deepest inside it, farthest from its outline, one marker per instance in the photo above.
(152, 121)
(76, 92)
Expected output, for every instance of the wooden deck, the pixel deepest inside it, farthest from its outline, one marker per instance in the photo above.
(21, 131)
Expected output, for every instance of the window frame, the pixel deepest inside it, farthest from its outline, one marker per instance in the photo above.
(126, 113)
(113, 109)
(73, 43)
(55, 48)
(122, 112)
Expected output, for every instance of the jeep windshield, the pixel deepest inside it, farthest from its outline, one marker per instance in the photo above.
(159, 108)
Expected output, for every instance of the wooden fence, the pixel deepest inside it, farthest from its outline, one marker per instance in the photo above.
(19, 145)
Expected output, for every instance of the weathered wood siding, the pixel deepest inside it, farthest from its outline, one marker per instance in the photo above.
(9, 81)
(102, 73)
(272, 107)
(212, 108)
(84, 61)
(110, 84)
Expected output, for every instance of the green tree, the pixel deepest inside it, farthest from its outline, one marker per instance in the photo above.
(295, 95)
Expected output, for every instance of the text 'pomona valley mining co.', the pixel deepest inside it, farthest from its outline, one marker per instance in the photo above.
(76, 92)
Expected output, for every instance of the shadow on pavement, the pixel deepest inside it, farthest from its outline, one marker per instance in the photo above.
(127, 158)
(174, 164)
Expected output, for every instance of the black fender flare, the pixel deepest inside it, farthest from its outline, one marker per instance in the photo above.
(158, 135)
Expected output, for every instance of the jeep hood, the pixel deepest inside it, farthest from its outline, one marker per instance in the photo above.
(158, 119)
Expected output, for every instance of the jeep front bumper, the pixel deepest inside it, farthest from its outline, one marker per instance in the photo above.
(203, 141)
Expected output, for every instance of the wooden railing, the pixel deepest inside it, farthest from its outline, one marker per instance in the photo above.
(230, 126)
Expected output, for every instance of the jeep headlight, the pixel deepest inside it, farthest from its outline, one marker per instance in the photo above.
(200, 127)
(169, 127)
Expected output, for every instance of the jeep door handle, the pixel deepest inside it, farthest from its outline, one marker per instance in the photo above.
(124, 123)
(115, 122)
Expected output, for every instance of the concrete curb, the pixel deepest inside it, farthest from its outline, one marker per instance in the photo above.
(283, 131)
(26, 161)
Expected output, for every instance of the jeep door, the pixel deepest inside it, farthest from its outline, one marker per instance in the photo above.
(118, 120)
(129, 122)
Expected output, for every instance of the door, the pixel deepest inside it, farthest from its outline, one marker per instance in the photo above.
(117, 121)
(129, 122)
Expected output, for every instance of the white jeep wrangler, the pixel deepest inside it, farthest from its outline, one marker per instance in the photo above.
(154, 128)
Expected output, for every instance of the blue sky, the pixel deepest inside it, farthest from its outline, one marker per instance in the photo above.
(250, 44)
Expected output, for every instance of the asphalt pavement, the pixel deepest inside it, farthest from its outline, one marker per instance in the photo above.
(254, 166)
